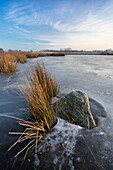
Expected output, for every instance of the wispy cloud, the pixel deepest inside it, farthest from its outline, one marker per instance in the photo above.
(22, 30)
(62, 25)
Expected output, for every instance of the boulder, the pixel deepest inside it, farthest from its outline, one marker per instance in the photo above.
(75, 108)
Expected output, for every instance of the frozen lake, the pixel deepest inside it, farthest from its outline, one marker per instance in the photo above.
(91, 73)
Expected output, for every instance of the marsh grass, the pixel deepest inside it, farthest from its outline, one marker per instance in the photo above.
(9, 60)
(7, 63)
(43, 115)
(32, 55)
(35, 90)
(43, 54)
(49, 85)
(32, 134)
(20, 57)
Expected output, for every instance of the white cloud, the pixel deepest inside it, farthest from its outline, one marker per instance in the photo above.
(90, 30)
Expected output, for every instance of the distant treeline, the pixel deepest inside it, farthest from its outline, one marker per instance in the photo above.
(89, 53)
(76, 52)
(31, 54)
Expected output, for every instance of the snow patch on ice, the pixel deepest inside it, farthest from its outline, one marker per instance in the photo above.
(62, 140)
(99, 133)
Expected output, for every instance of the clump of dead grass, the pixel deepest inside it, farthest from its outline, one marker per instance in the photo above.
(42, 54)
(32, 134)
(35, 89)
(32, 55)
(20, 57)
(7, 63)
(40, 106)
(49, 85)
(9, 60)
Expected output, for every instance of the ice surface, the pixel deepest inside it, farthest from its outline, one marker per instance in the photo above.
(92, 74)
(65, 134)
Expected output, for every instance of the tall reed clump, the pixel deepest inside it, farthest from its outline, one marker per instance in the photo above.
(7, 63)
(32, 55)
(49, 85)
(38, 89)
(40, 106)
(20, 57)
(9, 60)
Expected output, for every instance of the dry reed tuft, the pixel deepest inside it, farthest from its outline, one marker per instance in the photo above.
(33, 134)
(43, 54)
(7, 63)
(41, 109)
(38, 96)
(9, 60)
(20, 57)
(49, 85)
(32, 55)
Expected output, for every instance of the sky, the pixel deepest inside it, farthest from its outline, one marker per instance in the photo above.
(56, 24)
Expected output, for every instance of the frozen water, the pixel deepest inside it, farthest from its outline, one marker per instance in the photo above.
(62, 134)
(91, 73)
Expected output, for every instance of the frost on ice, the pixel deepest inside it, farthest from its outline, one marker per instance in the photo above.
(62, 134)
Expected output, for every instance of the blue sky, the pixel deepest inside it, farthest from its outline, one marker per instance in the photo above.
(56, 24)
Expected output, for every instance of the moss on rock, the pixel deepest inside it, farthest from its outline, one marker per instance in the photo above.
(75, 109)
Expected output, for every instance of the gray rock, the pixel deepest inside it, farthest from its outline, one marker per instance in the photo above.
(75, 108)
